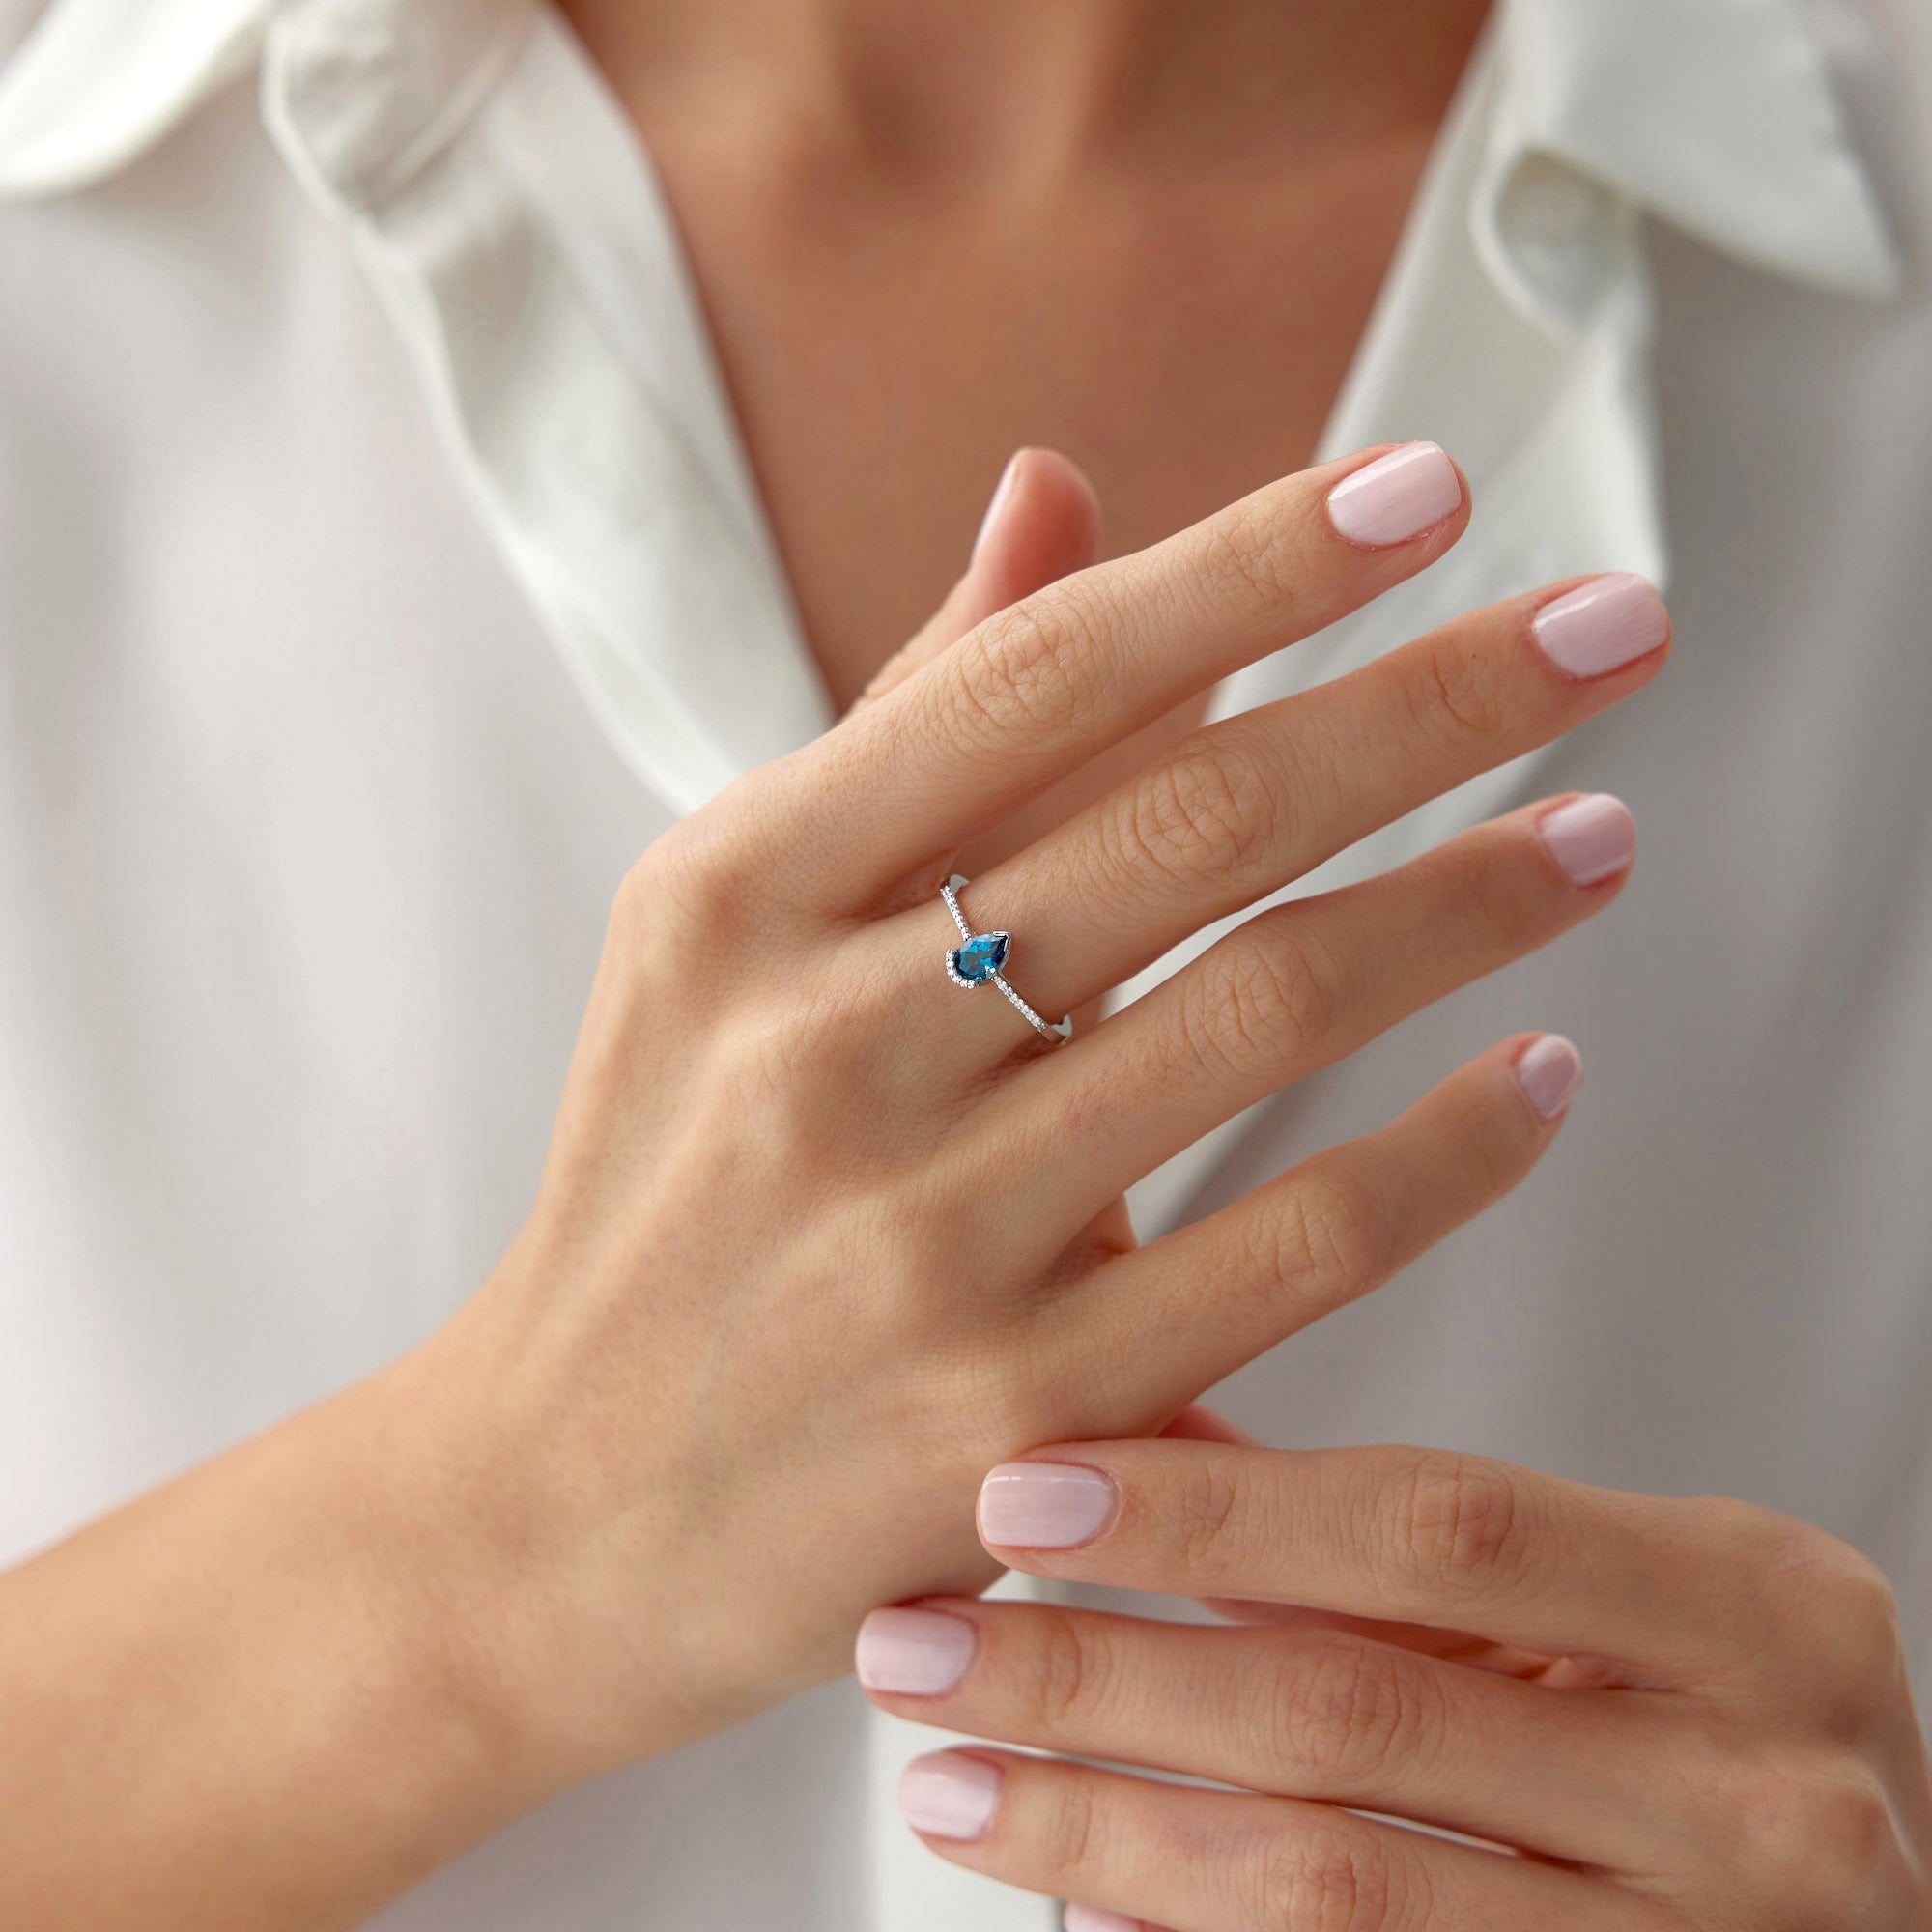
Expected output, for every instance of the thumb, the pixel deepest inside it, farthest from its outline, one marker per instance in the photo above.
(1044, 522)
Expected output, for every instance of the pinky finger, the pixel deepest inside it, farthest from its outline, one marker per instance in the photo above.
(1149, 1854)
(1079, 1917)
(1200, 1302)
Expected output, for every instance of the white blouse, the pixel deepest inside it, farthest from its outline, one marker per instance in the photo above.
(380, 569)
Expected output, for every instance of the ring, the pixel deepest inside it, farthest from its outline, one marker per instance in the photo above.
(976, 961)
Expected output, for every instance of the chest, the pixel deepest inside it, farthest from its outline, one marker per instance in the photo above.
(1181, 336)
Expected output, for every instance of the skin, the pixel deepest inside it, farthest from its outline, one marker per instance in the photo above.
(1685, 1716)
(280, 1690)
(926, 236)
(759, 1324)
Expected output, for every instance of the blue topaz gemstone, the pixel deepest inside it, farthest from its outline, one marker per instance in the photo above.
(981, 956)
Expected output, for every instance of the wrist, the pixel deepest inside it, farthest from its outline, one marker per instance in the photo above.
(285, 1662)
(418, 1696)
(556, 1579)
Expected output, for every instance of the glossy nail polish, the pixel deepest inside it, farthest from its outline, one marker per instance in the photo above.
(913, 1653)
(1550, 1069)
(1091, 1918)
(1592, 838)
(1605, 624)
(949, 1795)
(1397, 497)
(1045, 1505)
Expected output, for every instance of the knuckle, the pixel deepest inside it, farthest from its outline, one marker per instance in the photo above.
(1858, 1596)
(1213, 1518)
(1834, 1606)
(1073, 1672)
(1456, 1520)
(705, 879)
(1324, 1243)
(1245, 560)
(1321, 1876)
(1202, 815)
(1852, 1830)
(637, 907)
(1455, 695)
(1030, 670)
(1856, 1605)
(1815, 1835)
(1759, 1539)
(1074, 1842)
(1871, 1647)
(677, 882)
(1342, 1712)
(1262, 998)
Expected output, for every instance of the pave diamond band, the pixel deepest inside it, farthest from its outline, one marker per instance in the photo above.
(977, 959)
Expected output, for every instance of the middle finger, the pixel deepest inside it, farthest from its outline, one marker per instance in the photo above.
(1293, 989)
(1243, 807)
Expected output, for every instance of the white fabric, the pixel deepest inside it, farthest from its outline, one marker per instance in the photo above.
(380, 569)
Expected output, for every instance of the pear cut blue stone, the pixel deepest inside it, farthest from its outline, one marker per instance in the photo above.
(981, 956)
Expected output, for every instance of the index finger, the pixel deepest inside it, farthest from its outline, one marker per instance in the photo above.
(1395, 1534)
(1039, 688)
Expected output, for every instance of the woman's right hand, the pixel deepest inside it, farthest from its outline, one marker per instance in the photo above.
(822, 1237)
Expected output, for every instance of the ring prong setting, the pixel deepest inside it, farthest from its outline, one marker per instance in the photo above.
(982, 955)
(977, 960)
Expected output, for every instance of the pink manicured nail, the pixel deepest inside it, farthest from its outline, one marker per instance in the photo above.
(949, 1795)
(1549, 1071)
(1091, 1918)
(996, 508)
(1396, 497)
(1603, 625)
(1592, 838)
(913, 1653)
(1044, 1505)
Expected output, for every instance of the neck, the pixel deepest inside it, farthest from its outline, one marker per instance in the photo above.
(1007, 86)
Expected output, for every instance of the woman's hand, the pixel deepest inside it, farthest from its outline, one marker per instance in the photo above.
(1684, 1717)
(822, 1234)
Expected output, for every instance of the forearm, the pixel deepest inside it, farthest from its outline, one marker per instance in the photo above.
(814, 1245)
(264, 1694)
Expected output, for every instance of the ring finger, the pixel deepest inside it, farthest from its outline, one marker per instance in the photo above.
(1293, 989)
(1246, 806)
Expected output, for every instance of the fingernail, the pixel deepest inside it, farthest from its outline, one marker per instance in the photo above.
(1590, 838)
(1549, 1071)
(1396, 497)
(1044, 1505)
(913, 1653)
(996, 508)
(1091, 1918)
(949, 1795)
(1603, 625)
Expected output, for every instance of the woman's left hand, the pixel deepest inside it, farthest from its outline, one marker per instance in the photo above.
(1671, 1716)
